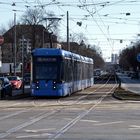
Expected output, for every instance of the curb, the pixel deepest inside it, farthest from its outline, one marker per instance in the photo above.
(117, 97)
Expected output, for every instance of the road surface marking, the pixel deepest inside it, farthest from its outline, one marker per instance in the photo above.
(25, 124)
(34, 136)
(38, 130)
(109, 123)
(93, 121)
(134, 127)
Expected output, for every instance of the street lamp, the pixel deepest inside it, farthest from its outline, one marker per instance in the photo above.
(15, 42)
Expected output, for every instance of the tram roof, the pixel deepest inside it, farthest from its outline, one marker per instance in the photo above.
(60, 52)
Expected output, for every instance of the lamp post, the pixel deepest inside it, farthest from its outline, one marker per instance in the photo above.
(15, 43)
(68, 43)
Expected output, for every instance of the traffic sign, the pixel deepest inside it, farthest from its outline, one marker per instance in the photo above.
(1, 40)
(138, 57)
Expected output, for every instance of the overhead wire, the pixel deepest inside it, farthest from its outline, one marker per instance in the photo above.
(71, 29)
(111, 43)
(91, 13)
(100, 7)
(108, 21)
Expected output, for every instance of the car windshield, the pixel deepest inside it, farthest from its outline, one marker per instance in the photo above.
(12, 78)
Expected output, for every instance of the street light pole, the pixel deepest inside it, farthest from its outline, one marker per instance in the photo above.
(23, 62)
(43, 38)
(15, 44)
(68, 43)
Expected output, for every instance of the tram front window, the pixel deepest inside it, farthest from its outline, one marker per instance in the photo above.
(46, 71)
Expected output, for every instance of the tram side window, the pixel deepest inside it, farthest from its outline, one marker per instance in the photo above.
(79, 70)
(62, 73)
(88, 71)
(70, 70)
(75, 70)
(91, 70)
(79, 73)
(67, 70)
(83, 68)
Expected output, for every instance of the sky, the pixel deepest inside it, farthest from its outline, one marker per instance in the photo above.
(104, 22)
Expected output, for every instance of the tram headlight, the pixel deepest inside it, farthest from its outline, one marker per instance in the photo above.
(54, 84)
(37, 84)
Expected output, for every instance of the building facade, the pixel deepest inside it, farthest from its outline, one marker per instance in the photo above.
(22, 39)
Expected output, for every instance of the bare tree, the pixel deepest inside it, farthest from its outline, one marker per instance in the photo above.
(78, 37)
(38, 16)
(52, 22)
(33, 16)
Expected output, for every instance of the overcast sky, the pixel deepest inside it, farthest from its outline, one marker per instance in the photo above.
(104, 23)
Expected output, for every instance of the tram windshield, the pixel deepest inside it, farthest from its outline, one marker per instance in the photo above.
(46, 68)
(46, 71)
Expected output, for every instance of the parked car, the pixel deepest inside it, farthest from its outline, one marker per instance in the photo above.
(130, 73)
(15, 81)
(135, 75)
(5, 87)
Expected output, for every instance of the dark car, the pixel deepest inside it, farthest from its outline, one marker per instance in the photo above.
(135, 75)
(5, 87)
(27, 78)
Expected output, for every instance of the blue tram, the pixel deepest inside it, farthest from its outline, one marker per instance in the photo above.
(57, 72)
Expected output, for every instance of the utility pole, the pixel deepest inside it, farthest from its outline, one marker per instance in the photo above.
(15, 44)
(68, 43)
(23, 48)
(43, 38)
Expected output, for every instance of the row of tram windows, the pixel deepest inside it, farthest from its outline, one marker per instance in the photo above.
(73, 70)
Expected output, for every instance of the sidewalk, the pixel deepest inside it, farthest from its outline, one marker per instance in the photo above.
(132, 85)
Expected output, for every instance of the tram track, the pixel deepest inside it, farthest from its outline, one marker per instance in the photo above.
(75, 120)
(86, 92)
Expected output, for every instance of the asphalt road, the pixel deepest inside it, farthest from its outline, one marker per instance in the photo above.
(92, 114)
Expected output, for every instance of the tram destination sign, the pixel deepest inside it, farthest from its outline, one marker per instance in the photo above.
(46, 59)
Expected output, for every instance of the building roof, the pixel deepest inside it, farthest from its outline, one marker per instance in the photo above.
(28, 31)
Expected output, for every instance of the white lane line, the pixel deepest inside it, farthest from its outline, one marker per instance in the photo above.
(34, 136)
(134, 127)
(14, 114)
(23, 125)
(38, 130)
(109, 123)
(90, 121)
(10, 106)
